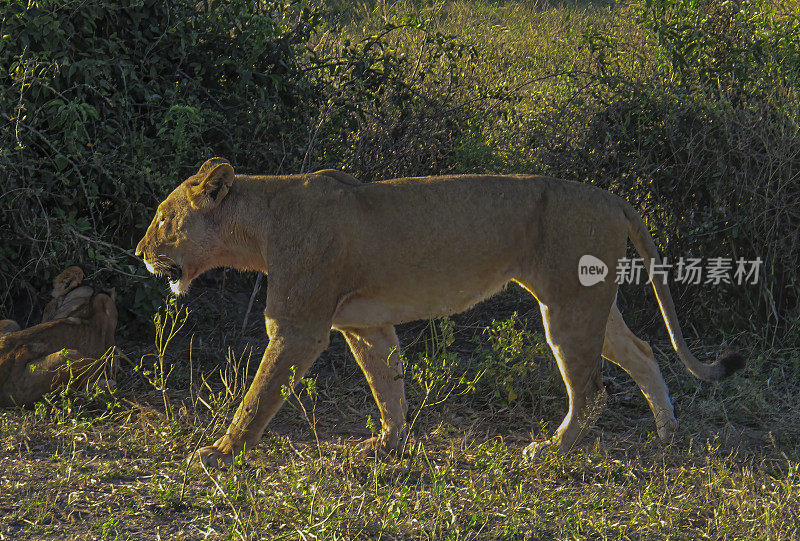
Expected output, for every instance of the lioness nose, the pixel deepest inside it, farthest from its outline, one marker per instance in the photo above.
(139, 250)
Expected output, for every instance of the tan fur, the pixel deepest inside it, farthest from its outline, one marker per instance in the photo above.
(67, 296)
(77, 330)
(360, 258)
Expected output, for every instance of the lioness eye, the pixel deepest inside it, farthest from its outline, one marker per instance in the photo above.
(161, 221)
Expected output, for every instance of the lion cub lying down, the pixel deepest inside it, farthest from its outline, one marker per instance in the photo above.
(360, 258)
(76, 331)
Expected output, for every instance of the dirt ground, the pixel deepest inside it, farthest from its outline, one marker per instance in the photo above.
(110, 464)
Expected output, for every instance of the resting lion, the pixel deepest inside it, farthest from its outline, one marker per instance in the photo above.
(77, 330)
(68, 295)
(360, 258)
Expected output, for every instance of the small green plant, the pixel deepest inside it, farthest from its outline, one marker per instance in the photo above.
(372, 426)
(90, 392)
(397, 505)
(233, 377)
(168, 322)
(109, 530)
(437, 371)
(512, 356)
(309, 388)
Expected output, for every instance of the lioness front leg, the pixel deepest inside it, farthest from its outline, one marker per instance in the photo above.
(377, 352)
(289, 346)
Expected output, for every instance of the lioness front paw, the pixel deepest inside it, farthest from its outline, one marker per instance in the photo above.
(666, 426)
(367, 444)
(211, 457)
(536, 449)
(375, 446)
(384, 444)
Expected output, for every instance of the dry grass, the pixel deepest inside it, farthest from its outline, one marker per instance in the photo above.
(110, 465)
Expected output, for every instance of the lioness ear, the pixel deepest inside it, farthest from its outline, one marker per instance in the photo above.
(209, 165)
(210, 191)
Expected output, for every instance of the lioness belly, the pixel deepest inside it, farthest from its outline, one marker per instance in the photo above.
(382, 307)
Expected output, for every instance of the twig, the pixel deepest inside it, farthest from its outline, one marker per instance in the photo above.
(517, 88)
(103, 243)
(225, 496)
(313, 137)
(252, 299)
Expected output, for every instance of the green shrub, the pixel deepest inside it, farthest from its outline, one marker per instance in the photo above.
(105, 106)
(713, 180)
(510, 363)
(399, 98)
(437, 372)
(705, 145)
(689, 110)
(740, 49)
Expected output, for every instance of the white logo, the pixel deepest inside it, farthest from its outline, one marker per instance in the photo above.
(591, 270)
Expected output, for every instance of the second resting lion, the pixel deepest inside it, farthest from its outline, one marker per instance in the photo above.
(76, 332)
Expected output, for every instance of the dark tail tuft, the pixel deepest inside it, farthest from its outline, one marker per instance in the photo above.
(729, 362)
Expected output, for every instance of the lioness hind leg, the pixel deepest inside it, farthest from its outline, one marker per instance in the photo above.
(377, 352)
(635, 356)
(576, 339)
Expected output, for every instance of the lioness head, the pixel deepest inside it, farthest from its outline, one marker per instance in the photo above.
(183, 236)
(65, 282)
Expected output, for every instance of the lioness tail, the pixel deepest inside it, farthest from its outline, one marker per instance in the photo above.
(727, 363)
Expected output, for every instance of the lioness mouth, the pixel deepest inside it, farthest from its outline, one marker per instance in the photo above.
(174, 273)
(171, 270)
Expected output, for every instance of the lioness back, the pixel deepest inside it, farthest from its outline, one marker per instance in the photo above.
(474, 232)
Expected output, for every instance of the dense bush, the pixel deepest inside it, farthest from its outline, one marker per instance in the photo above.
(688, 109)
(713, 180)
(707, 146)
(407, 115)
(106, 105)
(743, 50)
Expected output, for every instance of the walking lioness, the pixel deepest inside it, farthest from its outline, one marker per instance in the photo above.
(360, 258)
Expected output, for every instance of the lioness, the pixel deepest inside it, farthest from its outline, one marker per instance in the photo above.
(77, 329)
(360, 258)
(67, 296)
